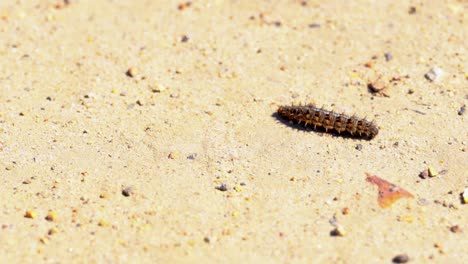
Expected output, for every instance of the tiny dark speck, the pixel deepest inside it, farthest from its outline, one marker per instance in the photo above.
(403, 258)
(222, 187)
(184, 38)
(462, 110)
(388, 56)
(127, 191)
(278, 23)
(412, 10)
(359, 147)
(314, 25)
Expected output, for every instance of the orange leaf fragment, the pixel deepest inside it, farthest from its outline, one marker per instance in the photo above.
(388, 192)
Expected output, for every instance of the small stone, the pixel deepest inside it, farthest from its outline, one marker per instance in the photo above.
(359, 147)
(465, 196)
(206, 239)
(434, 75)
(132, 72)
(455, 229)
(402, 258)
(377, 85)
(27, 181)
(157, 88)
(424, 174)
(432, 172)
(51, 216)
(345, 211)
(222, 187)
(173, 155)
(412, 10)
(30, 214)
(338, 231)
(388, 56)
(192, 156)
(52, 231)
(184, 38)
(314, 25)
(462, 110)
(127, 191)
(102, 223)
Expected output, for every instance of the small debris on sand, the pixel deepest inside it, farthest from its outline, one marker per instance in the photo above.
(127, 191)
(30, 214)
(338, 231)
(434, 75)
(222, 187)
(389, 193)
(132, 72)
(402, 258)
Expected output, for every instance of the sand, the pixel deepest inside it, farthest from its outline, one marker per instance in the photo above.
(182, 160)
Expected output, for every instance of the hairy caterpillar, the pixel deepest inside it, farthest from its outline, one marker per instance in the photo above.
(331, 122)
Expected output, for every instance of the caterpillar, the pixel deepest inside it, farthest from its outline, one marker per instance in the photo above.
(331, 122)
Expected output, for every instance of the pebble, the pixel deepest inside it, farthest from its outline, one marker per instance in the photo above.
(157, 88)
(173, 155)
(184, 38)
(52, 231)
(388, 56)
(338, 231)
(345, 211)
(462, 110)
(434, 75)
(127, 191)
(51, 216)
(377, 85)
(402, 258)
(192, 156)
(455, 229)
(424, 174)
(132, 72)
(359, 147)
(465, 196)
(30, 214)
(222, 187)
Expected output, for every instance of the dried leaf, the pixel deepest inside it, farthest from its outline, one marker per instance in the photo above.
(388, 192)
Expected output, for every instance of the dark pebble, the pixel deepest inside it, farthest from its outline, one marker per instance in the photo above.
(222, 187)
(424, 174)
(455, 229)
(184, 38)
(192, 156)
(462, 110)
(388, 56)
(359, 147)
(127, 191)
(402, 258)
(314, 25)
(412, 10)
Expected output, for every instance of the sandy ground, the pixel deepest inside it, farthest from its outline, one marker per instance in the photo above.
(207, 76)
